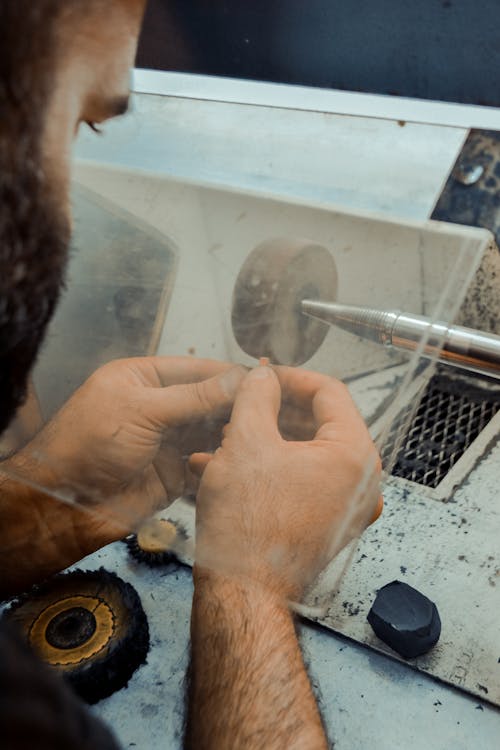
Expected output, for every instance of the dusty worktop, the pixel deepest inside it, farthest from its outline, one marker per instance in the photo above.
(367, 700)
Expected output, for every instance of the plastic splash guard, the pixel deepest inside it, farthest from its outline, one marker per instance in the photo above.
(186, 270)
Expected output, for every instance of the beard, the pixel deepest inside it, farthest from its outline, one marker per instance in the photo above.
(34, 239)
(34, 230)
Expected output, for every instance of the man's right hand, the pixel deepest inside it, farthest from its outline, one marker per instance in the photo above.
(275, 511)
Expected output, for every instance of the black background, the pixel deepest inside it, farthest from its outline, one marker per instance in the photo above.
(431, 49)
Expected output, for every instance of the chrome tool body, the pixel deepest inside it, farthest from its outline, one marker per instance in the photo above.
(454, 345)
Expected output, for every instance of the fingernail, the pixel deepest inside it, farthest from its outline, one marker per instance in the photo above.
(230, 380)
(261, 371)
(264, 361)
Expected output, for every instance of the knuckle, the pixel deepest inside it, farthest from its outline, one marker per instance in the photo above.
(362, 460)
(114, 364)
(200, 395)
(107, 371)
(337, 388)
(340, 387)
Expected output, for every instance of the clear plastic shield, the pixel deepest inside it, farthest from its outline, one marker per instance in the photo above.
(180, 270)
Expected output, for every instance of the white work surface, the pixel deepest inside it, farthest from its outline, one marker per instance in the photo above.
(367, 700)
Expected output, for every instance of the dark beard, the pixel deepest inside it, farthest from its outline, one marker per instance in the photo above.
(34, 233)
(33, 249)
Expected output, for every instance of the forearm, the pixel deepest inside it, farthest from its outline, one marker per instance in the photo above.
(249, 687)
(38, 534)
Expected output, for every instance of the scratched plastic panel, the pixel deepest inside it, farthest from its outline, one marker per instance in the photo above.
(123, 278)
(159, 266)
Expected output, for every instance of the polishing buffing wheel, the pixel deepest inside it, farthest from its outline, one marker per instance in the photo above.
(88, 625)
(267, 318)
(155, 542)
(405, 619)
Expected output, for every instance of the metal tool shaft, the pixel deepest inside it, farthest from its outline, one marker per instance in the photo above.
(454, 345)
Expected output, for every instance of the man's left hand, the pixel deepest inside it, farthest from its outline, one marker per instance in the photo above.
(118, 446)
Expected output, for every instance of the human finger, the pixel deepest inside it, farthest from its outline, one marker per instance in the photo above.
(336, 413)
(166, 371)
(191, 480)
(170, 470)
(178, 404)
(378, 510)
(298, 386)
(257, 404)
(198, 462)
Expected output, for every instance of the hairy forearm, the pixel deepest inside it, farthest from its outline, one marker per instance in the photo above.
(37, 532)
(249, 687)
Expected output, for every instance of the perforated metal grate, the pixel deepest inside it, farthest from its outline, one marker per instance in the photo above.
(450, 416)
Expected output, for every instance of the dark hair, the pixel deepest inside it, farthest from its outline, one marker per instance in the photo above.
(34, 232)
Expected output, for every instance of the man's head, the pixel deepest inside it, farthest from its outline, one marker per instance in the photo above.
(62, 63)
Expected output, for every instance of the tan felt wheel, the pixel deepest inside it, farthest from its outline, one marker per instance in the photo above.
(157, 535)
(72, 629)
(89, 626)
(157, 543)
(266, 317)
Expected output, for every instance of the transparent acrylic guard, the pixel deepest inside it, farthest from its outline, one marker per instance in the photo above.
(155, 271)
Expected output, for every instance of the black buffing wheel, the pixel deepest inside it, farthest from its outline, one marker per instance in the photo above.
(88, 625)
(156, 542)
(266, 318)
(405, 619)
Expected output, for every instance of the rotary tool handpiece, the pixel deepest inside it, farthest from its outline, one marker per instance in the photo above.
(461, 347)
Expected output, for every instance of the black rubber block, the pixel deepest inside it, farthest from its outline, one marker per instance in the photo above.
(405, 619)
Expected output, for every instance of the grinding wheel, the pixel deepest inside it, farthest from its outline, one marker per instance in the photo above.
(89, 626)
(266, 315)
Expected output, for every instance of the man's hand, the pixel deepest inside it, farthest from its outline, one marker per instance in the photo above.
(116, 449)
(270, 514)
(277, 511)
(124, 432)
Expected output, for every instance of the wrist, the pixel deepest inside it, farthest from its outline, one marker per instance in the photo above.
(34, 520)
(248, 684)
(225, 607)
(229, 588)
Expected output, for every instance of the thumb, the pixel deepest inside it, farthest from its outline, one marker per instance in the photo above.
(178, 404)
(198, 462)
(170, 470)
(257, 404)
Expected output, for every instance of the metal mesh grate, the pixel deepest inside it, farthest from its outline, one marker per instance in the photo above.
(450, 416)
